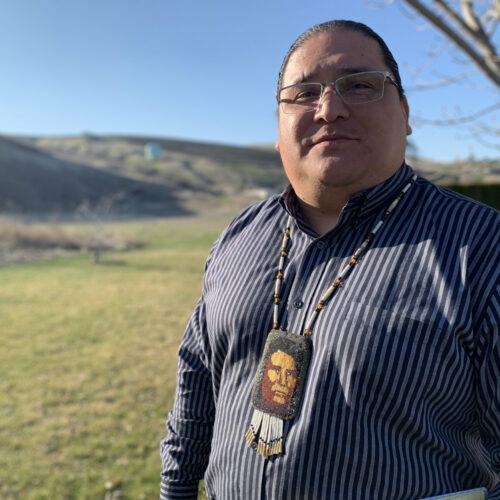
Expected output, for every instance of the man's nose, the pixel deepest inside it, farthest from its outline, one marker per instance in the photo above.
(331, 106)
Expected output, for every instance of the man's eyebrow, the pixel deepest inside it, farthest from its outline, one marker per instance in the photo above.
(314, 75)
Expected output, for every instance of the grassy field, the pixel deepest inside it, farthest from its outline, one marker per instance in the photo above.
(87, 363)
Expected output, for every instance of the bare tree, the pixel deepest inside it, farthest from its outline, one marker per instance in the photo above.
(470, 25)
(99, 239)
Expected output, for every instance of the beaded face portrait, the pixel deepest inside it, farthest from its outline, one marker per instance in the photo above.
(280, 377)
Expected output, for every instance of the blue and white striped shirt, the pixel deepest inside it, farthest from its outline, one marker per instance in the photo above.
(402, 397)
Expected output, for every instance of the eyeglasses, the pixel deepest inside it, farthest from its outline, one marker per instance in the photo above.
(357, 88)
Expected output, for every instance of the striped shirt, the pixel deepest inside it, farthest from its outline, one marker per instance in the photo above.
(402, 396)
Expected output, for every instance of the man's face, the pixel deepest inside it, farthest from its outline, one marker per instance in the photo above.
(280, 378)
(346, 147)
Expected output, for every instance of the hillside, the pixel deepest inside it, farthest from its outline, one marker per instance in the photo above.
(59, 174)
(113, 175)
(34, 181)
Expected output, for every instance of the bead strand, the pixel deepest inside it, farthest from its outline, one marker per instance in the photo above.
(354, 259)
(280, 274)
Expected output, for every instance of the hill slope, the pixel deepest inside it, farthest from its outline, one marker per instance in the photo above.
(59, 174)
(34, 181)
(182, 165)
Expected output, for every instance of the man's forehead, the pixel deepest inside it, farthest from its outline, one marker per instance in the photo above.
(281, 358)
(334, 53)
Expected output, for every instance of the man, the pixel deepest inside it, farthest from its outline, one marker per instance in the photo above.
(389, 282)
(280, 378)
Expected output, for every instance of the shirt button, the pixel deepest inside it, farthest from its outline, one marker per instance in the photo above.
(298, 304)
(320, 245)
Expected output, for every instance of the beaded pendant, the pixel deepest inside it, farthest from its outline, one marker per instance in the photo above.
(277, 389)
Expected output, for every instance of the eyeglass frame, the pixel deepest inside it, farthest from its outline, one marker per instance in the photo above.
(387, 76)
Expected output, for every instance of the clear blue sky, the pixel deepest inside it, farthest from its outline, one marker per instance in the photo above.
(199, 69)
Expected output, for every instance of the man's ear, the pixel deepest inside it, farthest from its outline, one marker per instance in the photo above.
(277, 147)
(406, 110)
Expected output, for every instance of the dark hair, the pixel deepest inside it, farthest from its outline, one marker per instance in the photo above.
(345, 25)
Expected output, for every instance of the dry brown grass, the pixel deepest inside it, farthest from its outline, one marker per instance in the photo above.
(15, 235)
(22, 242)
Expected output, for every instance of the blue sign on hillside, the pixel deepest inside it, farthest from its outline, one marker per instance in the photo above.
(152, 151)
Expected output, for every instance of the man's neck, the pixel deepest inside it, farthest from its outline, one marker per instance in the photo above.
(322, 204)
(322, 215)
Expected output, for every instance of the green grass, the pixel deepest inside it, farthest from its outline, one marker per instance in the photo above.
(87, 363)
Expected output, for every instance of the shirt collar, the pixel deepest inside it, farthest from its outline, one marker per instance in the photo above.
(362, 204)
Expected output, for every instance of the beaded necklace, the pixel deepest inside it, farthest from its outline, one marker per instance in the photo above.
(281, 374)
(339, 280)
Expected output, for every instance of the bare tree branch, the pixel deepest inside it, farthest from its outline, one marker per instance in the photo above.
(475, 27)
(470, 18)
(467, 34)
(487, 136)
(459, 120)
(443, 82)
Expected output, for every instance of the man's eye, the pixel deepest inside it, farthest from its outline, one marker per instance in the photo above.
(307, 94)
(359, 86)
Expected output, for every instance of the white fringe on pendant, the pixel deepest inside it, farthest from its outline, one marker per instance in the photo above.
(267, 432)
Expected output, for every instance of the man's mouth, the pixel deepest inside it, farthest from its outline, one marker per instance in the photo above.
(332, 139)
(280, 390)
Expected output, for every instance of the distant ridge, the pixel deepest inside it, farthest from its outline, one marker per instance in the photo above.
(57, 175)
(214, 151)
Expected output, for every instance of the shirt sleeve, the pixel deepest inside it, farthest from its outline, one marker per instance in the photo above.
(186, 448)
(486, 302)
(488, 394)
